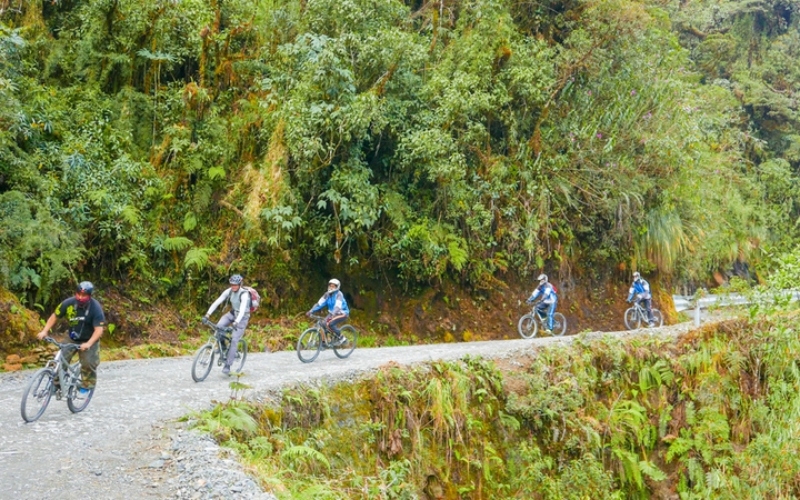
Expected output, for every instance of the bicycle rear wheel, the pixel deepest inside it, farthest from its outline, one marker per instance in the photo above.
(527, 326)
(351, 338)
(241, 356)
(77, 402)
(559, 324)
(203, 361)
(658, 319)
(309, 345)
(37, 395)
(632, 318)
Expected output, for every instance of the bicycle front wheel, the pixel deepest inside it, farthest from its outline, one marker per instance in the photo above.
(203, 361)
(527, 326)
(77, 402)
(309, 345)
(658, 319)
(37, 395)
(632, 318)
(347, 347)
(241, 356)
(559, 324)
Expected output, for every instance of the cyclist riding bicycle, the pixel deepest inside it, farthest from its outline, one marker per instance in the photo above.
(338, 312)
(548, 300)
(86, 323)
(640, 290)
(238, 316)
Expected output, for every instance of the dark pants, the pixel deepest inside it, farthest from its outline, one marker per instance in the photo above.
(90, 360)
(334, 321)
(648, 306)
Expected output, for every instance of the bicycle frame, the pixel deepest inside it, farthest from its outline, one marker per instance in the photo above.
(322, 326)
(641, 311)
(62, 368)
(218, 335)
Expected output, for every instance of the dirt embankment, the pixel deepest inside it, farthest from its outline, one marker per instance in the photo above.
(440, 313)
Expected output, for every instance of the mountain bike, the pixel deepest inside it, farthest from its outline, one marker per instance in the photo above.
(217, 345)
(636, 316)
(530, 323)
(315, 339)
(57, 378)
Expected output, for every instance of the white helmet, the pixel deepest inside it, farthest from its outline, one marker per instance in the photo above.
(637, 276)
(542, 279)
(335, 283)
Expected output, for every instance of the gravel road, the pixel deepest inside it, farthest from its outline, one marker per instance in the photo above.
(129, 445)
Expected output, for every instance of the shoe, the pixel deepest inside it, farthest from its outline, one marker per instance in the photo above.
(340, 340)
(83, 391)
(548, 331)
(652, 324)
(226, 370)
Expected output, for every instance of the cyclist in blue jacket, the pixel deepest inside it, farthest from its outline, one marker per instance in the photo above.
(640, 290)
(338, 311)
(549, 300)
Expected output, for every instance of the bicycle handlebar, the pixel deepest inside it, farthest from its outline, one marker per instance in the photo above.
(62, 345)
(213, 325)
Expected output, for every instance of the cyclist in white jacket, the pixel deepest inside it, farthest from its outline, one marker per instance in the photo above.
(238, 316)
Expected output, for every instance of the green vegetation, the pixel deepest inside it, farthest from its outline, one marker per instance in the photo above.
(157, 146)
(713, 415)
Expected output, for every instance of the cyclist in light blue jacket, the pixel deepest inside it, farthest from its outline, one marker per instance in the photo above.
(549, 300)
(338, 311)
(640, 290)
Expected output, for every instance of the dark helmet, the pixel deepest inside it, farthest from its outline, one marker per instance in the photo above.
(236, 279)
(85, 287)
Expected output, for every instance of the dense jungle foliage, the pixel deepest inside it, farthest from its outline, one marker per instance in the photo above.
(713, 415)
(158, 146)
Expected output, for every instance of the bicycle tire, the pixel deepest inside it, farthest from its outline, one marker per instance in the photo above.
(527, 326)
(559, 324)
(632, 318)
(346, 349)
(241, 356)
(658, 318)
(37, 395)
(203, 362)
(77, 402)
(309, 344)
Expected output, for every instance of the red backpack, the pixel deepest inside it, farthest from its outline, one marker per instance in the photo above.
(255, 298)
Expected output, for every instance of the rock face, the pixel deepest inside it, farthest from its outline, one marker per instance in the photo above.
(18, 325)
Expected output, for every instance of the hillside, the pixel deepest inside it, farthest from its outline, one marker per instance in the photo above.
(422, 152)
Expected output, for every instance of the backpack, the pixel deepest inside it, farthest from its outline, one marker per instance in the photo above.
(555, 290)
(255, 298)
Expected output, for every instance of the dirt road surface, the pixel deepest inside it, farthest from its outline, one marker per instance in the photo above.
(127, 444)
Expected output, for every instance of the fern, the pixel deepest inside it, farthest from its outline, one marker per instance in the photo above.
(197, 258)
(299, 454)
(177, 244)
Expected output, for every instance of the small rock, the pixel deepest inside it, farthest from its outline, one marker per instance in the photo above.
(156, 464)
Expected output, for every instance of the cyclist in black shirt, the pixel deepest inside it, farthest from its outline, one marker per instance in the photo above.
(86, 323)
